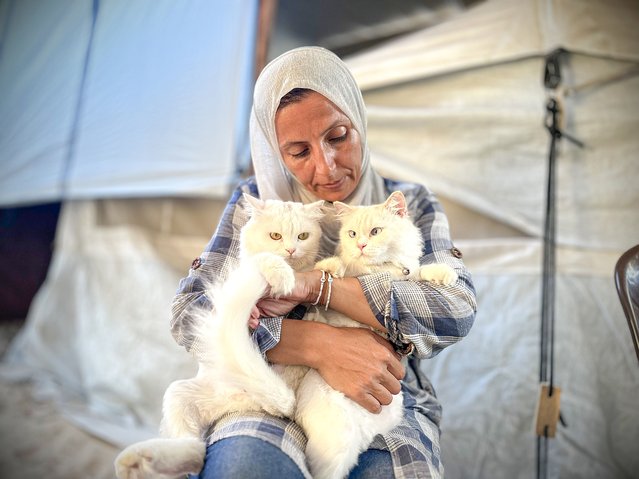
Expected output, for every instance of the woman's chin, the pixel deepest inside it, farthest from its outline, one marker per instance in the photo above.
(337, 191)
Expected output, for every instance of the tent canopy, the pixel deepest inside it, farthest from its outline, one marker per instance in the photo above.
(461, 107)
(500, 31)
(114, 99)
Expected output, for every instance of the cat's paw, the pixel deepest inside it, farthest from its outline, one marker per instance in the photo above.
(332, 265)
(161, 459)
(135, 462)
(438, 273)
(277, 273)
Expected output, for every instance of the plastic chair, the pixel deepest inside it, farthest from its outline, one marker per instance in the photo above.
(627, 281)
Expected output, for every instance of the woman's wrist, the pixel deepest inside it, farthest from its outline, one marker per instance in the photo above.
(316, 347)
(302, 343)
(313, 289)
(325, 290)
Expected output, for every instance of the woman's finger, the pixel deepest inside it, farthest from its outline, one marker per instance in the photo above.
(393, 359)
(391, 383)
(382, 395)
(396, 368)
(371, 404)
(254, 323)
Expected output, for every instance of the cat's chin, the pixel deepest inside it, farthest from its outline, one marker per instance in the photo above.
(299, 264)
(368, 261)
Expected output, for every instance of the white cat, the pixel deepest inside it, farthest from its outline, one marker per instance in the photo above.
(233, 376)
(372, 239)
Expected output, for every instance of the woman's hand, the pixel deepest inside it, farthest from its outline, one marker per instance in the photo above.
(254, 318)
(355, 361)
(363, 366)
(305, 291)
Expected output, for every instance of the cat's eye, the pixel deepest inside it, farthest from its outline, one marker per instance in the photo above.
(375, 231)
(276, 236)
(352, 233)
(303, 236)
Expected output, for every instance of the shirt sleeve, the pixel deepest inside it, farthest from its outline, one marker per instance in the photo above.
(421, 317)
(213, 265)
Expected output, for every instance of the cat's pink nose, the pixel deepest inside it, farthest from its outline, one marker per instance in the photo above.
(290, 251)
(362, 246)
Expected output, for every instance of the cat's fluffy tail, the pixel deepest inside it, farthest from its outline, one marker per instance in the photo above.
(226, 345)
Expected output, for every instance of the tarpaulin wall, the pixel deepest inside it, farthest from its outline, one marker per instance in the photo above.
(106, 98)
(461, 107)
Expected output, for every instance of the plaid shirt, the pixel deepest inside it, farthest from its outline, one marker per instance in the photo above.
(419, 317)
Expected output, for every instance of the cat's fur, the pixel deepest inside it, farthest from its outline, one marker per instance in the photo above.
(337, 429)
(280, 237)
(372, 239)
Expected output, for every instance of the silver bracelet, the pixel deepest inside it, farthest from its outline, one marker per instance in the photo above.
(330, 290)
(322, 281)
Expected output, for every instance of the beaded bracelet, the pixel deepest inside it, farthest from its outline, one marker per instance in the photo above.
(322, 281)
(330, 290)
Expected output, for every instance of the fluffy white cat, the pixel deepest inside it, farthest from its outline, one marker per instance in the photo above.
(372, 239)
(233, 376)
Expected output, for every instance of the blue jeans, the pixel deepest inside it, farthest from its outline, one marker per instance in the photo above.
(245, 457)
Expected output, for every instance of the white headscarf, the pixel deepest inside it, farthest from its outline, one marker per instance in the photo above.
(320, 70)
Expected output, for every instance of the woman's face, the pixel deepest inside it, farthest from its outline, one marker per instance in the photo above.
(320, 147)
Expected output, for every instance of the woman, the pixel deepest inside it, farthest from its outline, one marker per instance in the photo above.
(308, 142)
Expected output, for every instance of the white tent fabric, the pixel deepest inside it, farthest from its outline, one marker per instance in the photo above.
(110, 98)
(461, 107)
(97, 338)
(488, 384)
(498, 31)
(471, 89)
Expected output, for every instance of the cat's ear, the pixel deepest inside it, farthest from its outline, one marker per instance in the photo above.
(342, 208)
(396, 204)
(255, 204)
(316, 209)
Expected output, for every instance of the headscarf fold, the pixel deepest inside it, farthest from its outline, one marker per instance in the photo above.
(317, 69)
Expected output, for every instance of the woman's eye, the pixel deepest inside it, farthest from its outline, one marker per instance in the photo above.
(276, 236)
(338, 139)
(338, 134)
(300, 154)
(351, 233)
(303, 236)
(375, 231)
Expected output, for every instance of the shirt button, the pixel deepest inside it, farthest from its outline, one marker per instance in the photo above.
(456, 252)
(405, 349)
(197, 262)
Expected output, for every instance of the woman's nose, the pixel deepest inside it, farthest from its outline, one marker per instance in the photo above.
(325, 160)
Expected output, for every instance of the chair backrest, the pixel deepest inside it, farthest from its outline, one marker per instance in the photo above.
(627, 281)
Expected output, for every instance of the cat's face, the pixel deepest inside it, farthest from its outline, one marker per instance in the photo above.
(287, 229)
(374, 235)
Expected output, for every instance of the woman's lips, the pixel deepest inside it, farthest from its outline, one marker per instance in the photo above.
(335, 185)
